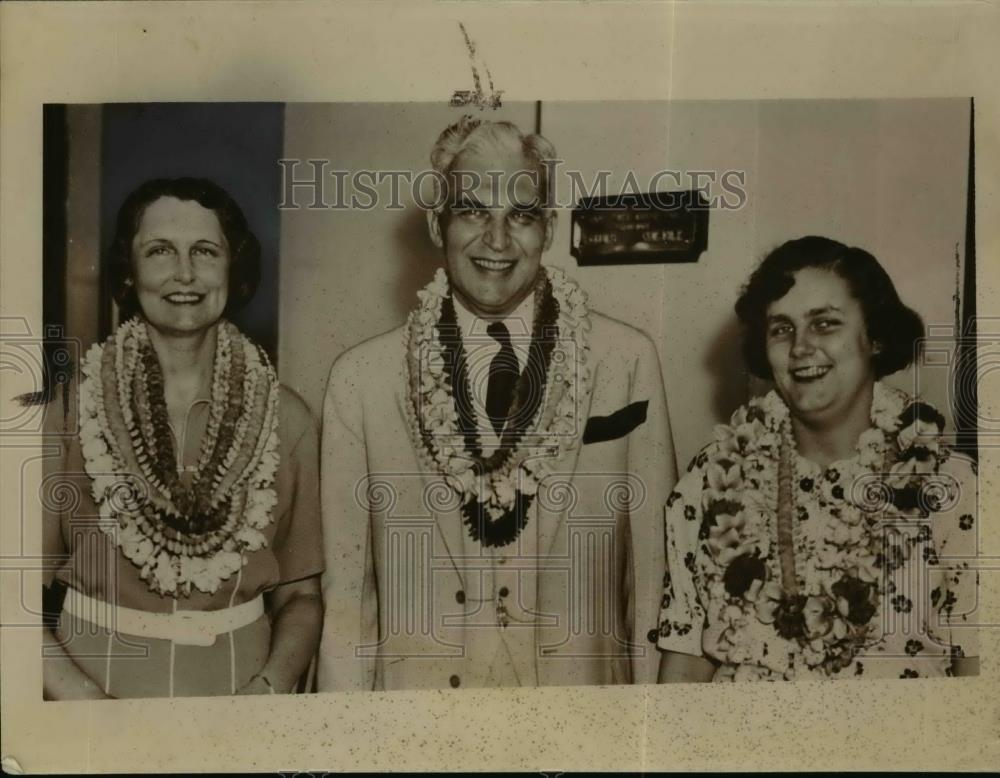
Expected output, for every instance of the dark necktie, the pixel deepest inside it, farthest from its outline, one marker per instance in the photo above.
(503, 375)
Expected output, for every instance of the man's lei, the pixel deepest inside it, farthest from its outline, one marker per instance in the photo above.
(496, 492)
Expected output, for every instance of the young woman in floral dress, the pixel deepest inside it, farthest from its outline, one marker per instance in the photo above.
(192, 549)
(826, 532)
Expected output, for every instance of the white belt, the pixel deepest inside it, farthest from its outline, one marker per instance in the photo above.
(188, 628)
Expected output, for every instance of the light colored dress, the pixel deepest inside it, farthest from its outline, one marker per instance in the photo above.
(869, 573)
(81, 556)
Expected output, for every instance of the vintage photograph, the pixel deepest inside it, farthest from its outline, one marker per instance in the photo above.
(386, 396)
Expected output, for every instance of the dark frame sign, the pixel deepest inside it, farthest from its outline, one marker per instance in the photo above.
(629, 229)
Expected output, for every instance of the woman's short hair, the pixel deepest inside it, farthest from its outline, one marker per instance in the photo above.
(897, 329)
(483, 135)
(244, 248)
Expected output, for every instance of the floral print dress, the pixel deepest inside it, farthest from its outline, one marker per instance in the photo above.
(865, 571)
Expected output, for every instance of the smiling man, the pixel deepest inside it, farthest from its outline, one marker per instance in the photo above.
(495, 470)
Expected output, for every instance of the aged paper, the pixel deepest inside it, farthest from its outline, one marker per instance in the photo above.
(305, 53)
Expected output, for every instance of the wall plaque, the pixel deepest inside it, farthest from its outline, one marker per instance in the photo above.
(627, 229)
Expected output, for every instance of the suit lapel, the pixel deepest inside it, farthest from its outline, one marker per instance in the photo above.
(448, 522)
(549, 521)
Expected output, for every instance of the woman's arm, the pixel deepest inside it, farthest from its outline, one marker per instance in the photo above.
(953, 579)
(682, 614)
(62, 679)
(297, 610)
(684, 668)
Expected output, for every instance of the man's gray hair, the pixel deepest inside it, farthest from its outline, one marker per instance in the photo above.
(482, 135)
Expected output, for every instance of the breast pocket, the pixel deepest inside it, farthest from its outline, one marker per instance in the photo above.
(616, 425)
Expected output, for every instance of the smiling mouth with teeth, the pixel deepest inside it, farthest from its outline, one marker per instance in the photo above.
(808, 373)
(494, 264)
(184, 298)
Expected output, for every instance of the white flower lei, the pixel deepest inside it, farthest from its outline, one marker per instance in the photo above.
(125, 487)
(741, 476)
(433, 420)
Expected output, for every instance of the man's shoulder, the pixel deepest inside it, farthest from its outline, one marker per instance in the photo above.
(374, 354)
(612, 336)
(366, 375)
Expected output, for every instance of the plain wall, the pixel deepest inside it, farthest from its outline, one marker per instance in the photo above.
(889, 176)
(83, 223)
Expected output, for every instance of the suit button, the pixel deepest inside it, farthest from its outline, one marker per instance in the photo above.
(455, 681)
(460, 597)
(504, 591)
(653, 635)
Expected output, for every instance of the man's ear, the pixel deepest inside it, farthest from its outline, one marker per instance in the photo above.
(434, 227)
(550, 228)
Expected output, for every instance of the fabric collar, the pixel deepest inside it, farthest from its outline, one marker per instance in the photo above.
(519, 321)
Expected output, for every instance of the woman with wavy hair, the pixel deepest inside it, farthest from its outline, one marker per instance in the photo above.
(826, 531)
(192, 553)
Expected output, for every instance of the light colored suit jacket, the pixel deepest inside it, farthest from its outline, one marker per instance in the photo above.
(399, 579)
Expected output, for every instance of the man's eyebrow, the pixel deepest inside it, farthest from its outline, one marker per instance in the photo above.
(468, 201)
